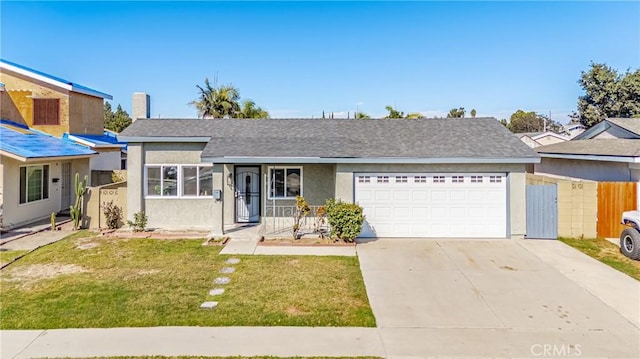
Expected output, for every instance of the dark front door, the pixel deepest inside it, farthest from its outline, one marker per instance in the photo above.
(247, 181)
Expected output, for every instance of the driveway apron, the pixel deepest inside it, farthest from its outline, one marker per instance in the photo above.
(485, 298)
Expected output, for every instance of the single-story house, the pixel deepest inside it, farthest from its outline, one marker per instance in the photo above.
(36, 173)
(537, 139)
(414, 178)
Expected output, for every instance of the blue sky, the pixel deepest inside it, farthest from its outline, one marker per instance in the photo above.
(297, 59)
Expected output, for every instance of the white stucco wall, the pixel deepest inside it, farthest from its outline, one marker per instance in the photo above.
(14, 213)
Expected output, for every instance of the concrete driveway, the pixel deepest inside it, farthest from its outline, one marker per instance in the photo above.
(495, 298)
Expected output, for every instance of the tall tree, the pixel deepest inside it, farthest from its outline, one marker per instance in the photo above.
(473, 113)
(217, 101)
(456, 113)
(249, 109)
(522, 121)
(115, 121)
(608, 94)
(393, 113)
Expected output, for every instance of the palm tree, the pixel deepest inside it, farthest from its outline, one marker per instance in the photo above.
(217, 101)
(393, 113)
(250, 110)
(362, 116)
(415, 115)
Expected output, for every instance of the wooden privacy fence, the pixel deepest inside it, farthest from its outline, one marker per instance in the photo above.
(613, 199)
(96, 197)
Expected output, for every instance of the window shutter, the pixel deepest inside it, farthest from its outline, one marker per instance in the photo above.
(46, 111)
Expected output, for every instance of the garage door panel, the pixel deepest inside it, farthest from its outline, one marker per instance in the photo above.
(401, 195)
(439, 196)
(418, 195)
(458, 195)
(433, 205)
(402, 212)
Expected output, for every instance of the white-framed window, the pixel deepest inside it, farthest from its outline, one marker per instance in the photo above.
(476, 179)
(401, 179)
(382, 179)
(420, 179)
(364, 179)
(438, 179)
(457, 179)
(285, 182)
(179, 181)
(34, 183)
(495, 179)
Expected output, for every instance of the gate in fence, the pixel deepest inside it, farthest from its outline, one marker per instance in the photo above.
(542, 211)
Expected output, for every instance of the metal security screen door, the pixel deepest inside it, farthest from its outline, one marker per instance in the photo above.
(65, 190)
(247, 181)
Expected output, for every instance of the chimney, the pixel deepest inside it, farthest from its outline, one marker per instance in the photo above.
(141, 106)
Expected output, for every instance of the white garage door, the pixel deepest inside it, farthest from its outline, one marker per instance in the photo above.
(433, 205)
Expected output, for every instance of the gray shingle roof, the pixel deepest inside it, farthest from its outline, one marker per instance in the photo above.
(630, 124)
(400, 138)
(597, 147)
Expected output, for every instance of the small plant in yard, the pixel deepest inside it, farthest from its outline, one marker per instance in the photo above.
(345, 219)
(113, 214)
(139, 223)
(302, 210)
(76, 209)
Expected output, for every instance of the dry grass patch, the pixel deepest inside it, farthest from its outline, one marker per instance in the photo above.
(607, 253)
(150, 282)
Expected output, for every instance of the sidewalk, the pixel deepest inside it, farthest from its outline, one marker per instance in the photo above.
(209, 341)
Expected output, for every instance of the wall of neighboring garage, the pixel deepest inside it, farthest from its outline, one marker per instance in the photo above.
(516, 186)
(590, 170)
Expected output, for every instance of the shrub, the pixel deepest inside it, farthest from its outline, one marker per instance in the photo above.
(139, 223)
(113, 214)
(345, 219)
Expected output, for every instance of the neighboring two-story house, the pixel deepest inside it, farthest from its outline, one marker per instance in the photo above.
(36, 164)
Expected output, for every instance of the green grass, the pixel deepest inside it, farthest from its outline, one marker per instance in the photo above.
(149, 282)
(234, 357)
(8, 256)
(607, 253)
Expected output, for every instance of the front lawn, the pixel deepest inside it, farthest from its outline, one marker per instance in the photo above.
(8, 256)
(87, 281)
(607, 253)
